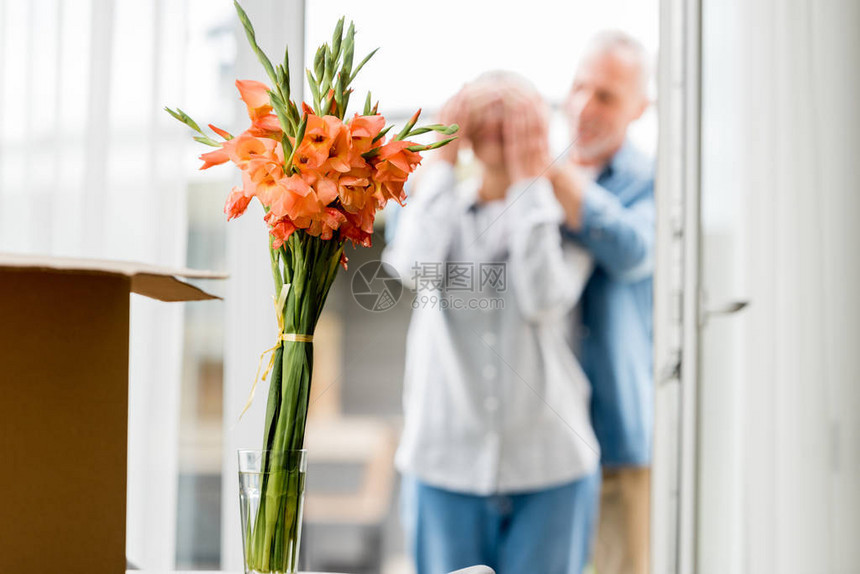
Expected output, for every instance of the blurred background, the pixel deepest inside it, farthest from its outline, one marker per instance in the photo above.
(758, 198)
(92, 166)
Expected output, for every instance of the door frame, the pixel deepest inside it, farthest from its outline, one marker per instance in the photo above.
(677, 301)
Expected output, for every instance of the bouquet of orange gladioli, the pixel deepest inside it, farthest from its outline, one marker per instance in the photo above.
(320, 179)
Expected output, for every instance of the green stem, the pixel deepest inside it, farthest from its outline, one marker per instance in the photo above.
(310, 265)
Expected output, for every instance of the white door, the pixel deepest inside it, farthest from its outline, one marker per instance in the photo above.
(757, 461)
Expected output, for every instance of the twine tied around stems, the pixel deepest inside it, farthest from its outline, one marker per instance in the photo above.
(282, 337)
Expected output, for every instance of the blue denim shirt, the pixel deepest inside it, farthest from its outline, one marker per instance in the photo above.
(617, 325)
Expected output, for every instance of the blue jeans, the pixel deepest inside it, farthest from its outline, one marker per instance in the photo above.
(541, 532)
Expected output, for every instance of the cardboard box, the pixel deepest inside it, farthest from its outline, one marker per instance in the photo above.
(64, 347)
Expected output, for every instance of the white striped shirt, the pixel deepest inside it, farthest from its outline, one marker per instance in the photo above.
(494, 398)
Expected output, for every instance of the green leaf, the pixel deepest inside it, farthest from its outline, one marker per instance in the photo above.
(185, 119)
(348, 51)
(294, 112)
(361, 65)
(328, 66)
(315, 92)
(439, 128)
(435, 145)
(337, 38)
(300, 135)
(207, 140)
(338, 96)
(176, 115)
(283, 84)
(319, 62)
(288, 147)
(367, 105)
(346, 95)
(382, 133)
(280, 108)
(252, 39)
(409, 125)
(418, 131)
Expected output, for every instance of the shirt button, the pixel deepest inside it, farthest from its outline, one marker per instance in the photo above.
(489, 372)
(491, 404)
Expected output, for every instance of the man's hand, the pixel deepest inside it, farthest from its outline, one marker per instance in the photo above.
(526, 136)
(569, 183)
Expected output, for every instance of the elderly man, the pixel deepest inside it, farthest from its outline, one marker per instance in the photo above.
(607, 192)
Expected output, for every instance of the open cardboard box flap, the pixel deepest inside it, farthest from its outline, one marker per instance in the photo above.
(64, 350)
(152, 281)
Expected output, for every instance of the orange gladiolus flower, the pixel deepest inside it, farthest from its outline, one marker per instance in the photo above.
(316, 145)
(336, 192)
(396, 154)
(391, 190)
(263, 178)
(223, 133)
(340, 152)
(267, 126)
(362, 130)
(358, 227)
(297, 200)
(279, 228)
(326, 223)
(246, 147)
(237, 203)
(256, 98)
(324, 187)
(352, 189)
(393, 165)
(386, 171)
(216, 157)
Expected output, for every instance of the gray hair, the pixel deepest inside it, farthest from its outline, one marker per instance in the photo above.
(500, 77)
(612, 40)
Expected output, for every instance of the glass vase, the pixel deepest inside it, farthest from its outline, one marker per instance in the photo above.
(271, 501)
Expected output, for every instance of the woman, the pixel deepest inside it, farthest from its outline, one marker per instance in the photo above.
(497, 454)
